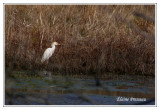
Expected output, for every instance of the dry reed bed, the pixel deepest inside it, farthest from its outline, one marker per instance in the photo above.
(85, 31)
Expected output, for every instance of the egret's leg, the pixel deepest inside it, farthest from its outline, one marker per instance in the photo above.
(46, 64)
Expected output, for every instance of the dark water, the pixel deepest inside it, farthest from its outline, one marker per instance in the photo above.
(23, 89)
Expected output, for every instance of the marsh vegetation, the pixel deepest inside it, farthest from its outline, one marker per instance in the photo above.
(86, 32)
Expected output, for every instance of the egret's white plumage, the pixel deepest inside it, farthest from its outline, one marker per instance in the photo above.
(48, 52)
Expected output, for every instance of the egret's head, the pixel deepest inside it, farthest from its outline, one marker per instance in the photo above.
(55, 43)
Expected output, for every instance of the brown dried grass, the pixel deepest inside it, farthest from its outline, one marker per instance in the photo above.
(85, 31)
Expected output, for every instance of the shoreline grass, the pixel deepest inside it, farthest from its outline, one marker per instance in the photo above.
(85, 32)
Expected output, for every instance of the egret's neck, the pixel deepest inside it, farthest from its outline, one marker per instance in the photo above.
(53, 46)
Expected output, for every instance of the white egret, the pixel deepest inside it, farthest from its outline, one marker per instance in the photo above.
(49, 51)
